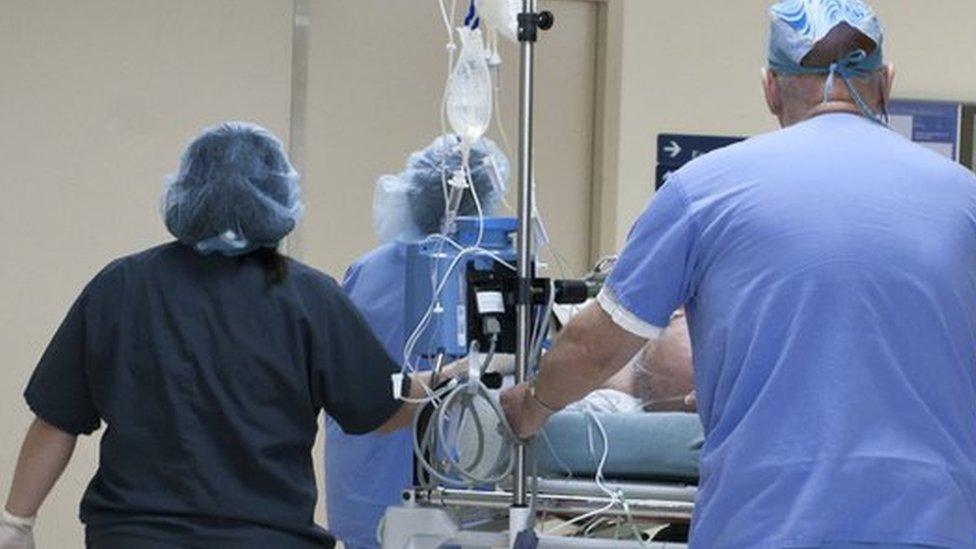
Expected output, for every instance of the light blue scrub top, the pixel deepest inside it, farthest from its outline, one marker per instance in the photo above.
(366, 474)
(829, 272)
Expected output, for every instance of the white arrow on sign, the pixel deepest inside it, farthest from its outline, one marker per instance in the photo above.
(674, 149)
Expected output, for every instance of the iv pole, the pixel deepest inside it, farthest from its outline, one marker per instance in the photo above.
(529, 23)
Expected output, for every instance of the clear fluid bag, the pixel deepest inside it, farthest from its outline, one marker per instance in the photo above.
(469, 89)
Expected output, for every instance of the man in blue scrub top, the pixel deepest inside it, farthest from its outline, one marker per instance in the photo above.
(829, 275)
(367, 474)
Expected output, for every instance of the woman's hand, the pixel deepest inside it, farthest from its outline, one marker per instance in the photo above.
(16, 532)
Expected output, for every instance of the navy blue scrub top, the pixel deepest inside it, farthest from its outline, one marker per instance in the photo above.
(210, 383)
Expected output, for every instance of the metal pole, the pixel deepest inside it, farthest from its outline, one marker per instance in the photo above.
(525, 257)
(297, 138)
(649, 509)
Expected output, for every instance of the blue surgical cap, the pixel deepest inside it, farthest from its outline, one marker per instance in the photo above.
(797, 26)
(411, 205)
(236, 191)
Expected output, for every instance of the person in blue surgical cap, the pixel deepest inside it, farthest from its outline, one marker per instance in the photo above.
(366, 474)
(208, 359)
(828, 271)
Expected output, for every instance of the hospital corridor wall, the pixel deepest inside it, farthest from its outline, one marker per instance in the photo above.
(97, 100)
(693, 67)
(374, 98)
(99, 97)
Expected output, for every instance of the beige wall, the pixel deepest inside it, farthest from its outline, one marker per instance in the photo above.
(371, 102)
(96, 101)
(692, 66)
(98, 97)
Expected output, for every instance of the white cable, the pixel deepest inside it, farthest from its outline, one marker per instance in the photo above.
(482, 392)
(448, 19)
(436, 424)
(542, 329)
(598, 521)
(560, 262)
(616, 496)
(418, 331)
(598, 478)
(506, 145)
(413, 339)
(479, 251)
(466, 170)
(581, 518)
(466, 166)
(438, 288)
(555, 455)
(451, 48)
(424, 321)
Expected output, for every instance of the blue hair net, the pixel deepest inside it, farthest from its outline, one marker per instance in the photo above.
(412, 204)
(236, 191)
(797, 26)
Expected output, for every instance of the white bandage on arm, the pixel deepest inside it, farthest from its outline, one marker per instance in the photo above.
(626, 319)
(19, 522)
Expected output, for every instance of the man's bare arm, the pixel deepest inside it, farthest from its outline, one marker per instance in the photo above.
(588, 352)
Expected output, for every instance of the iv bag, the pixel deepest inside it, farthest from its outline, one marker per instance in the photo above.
(501, 16)
(468, 100)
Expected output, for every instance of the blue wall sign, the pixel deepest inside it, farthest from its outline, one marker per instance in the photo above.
(676, 150)
(932, 124)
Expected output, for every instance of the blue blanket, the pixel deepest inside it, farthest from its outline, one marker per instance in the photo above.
(643, 447)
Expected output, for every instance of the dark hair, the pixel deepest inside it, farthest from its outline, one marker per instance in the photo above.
(426, 171)
(235, 176)
(275, 265)
(841, 41)
(427, 203)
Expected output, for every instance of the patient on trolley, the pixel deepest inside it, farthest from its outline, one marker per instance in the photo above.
(641, 421)
(658, 379)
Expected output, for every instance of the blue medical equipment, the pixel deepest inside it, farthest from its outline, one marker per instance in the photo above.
(442, 319)
(464, 289)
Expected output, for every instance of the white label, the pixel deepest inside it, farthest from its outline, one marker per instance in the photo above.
(462, 324)
(397, 381)
(490, 303)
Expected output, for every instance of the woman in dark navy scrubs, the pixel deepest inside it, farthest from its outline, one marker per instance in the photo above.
(208, 360)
